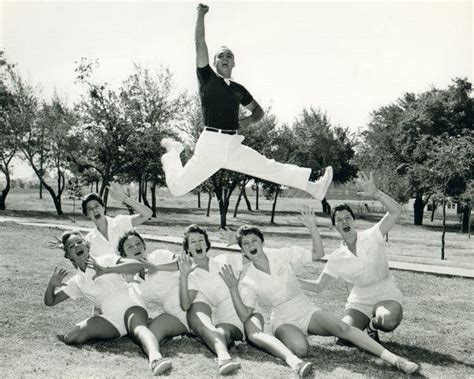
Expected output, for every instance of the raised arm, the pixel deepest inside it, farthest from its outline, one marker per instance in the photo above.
(144, 213)
(186, 296)
(56, 281)
(394, 209)
(123, 266)
(232, 282)
(308, 219)
(202, 54)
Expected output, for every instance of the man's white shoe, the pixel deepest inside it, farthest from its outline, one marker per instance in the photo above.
(319, 188)
(170, 144)
(406, 366)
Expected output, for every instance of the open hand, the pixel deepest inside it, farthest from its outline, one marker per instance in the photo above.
(116, 192)
(228, 276)
(55, 243)
(57, 278)
(185, 264)
(307, 217)
(228, 236)
(99, 269)
(367, 184)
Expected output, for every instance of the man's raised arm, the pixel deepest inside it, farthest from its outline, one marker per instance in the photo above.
(202, 55)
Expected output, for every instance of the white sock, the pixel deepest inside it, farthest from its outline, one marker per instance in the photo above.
(389, 357)
(154, 356)
(223, 357)
(293, 361)
(371, 326)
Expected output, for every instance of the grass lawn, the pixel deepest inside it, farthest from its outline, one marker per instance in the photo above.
(436, 331)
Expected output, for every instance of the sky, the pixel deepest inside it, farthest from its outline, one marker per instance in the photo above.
(345, 58)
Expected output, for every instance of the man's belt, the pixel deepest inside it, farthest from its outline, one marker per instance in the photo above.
(223, 131)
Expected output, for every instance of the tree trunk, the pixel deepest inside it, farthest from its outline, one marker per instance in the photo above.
(444, 231)
(144, 194)
(209, 204)
(247, 201)
(256, 197)
(466, 218)
(326, 206)
(97, 186)
(418, 207)
(277, 192)
(153, 198)
(4, 193)
(238, 202)
(140, 184)
(199, 199)
(433, 209)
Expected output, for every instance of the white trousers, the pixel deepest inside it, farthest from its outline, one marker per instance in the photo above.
(217, 150)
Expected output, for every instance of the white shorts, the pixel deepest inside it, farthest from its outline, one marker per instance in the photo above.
(364, 299)
(171, 305)
(222, 313)
(296, 311)
(114, 308)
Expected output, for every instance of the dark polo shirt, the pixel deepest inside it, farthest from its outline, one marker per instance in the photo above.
(219, 101)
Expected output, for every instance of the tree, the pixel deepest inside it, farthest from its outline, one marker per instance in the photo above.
(396, 144)
(9, 126)
(104, 128)
(154, 112)
(449, 169)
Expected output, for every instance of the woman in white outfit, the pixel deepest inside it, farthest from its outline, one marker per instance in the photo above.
(205, 297)
(272, 279)
(104, 237)
(102, 283)
(375, 301)
(156, 289)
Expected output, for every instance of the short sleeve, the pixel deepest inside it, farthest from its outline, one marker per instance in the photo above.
(248, 293)
(204, 74)
(161, 256)
(297, 254)
(376, 233)
(107, 260)
(124, 223)
(72, 288)
(193, 282)
(329, 269)
(247, 98)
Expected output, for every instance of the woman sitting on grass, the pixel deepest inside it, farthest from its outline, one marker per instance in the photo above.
(102, 283)
(203, 290)
(271, 277)
(105, 236)
(375, 301)
(154, 289)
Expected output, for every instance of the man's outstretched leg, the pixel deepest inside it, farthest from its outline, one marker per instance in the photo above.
(205, 162)
(248, 161)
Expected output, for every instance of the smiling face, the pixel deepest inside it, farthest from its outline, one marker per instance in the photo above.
(345, 224)
(77, 249)
(252, 247)
(133, 247)
(224, 62)
(95, 211)
(197, 246)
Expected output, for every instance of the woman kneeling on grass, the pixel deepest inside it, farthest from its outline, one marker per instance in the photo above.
(102, 283)
(153, 289)
(271, 277)
(375, 301)
(203, 290)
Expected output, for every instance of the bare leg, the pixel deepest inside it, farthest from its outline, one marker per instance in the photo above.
(94, 328)
(166, 326)
(355, 318)
(293, 338)
(388, 315)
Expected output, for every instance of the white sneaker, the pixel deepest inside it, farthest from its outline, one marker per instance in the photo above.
(303, 369)
(160, 366)
(228, 366)
(170, 144)
(406, 366)
(319, 188)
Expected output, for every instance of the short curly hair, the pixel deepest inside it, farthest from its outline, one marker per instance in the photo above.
(338, 208)
(194, 228)
(124, 239)
(246, 230)
(65, 237)
(90, 197)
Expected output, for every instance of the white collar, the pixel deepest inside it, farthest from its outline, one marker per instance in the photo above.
(226, 80)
